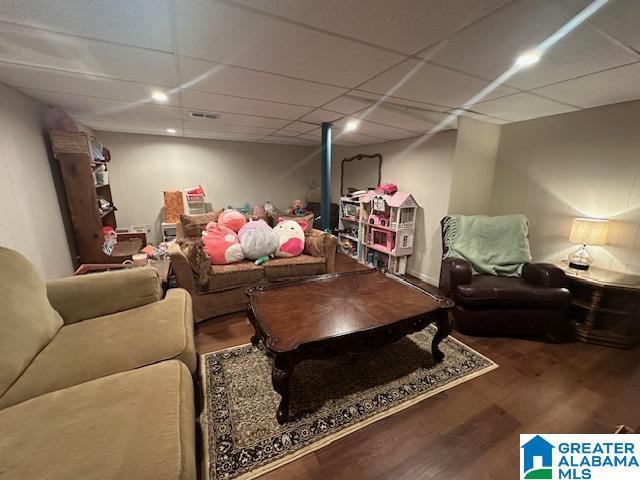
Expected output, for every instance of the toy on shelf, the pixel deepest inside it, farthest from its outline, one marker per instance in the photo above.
(378, 219)
(299, 208)
(195, 200)
(386, 188)
(381, 239)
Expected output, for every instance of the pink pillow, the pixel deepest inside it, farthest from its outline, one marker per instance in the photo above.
(221, 244)
(232, 219)
(290, 239)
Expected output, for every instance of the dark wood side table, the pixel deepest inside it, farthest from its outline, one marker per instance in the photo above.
(605, 307)
(332, 314)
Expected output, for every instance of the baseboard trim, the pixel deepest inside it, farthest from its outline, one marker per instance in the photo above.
(425, 278)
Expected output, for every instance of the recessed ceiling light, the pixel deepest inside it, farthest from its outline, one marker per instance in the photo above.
(528, 58)
(159, 96)
(351, 125)
(171, 130)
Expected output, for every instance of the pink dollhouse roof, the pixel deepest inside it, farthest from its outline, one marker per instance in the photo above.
(396, 200)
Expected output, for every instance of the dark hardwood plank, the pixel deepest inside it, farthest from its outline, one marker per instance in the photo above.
(471, 431)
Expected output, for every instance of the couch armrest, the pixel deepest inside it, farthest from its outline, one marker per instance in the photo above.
(182, 269)
(454, 272)
(321, 244)
(88, 296)
(544, 275)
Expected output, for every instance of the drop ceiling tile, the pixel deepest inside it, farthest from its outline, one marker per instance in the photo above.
(28, 46)
(415, 122)
(217, 78)
(79, 84)
(76, 105)
(360, 94)
(345, 105)
(620, 20)
(287, 140)
(338, 136)
(105, 126)
(301, 127)
(210, 102)
(319, 116)
(415, 80)
(488, 47)
(214, 126)
(237, 119)
(522, 106)
(129, 120)
(583, 51)
(238, 137)
(612, 86)
(407, 27)
(223, 33)
(144, 23)
(376, 130)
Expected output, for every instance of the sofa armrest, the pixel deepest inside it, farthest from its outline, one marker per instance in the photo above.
(321, 244)
(88, 296)
(182, 269)
(544, 275)
(454, 272)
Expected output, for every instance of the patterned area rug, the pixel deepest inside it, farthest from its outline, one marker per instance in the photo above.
(329, 399)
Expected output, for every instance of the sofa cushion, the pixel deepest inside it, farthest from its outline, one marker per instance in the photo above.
(303, 265)
(485, 290)
(222, 277)
(133, 425)
(194, 225)
(28, 322)
(110, 344)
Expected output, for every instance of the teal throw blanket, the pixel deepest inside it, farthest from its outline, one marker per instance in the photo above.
(492, 245)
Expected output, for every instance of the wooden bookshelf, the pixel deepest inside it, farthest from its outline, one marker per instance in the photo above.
(72, 152)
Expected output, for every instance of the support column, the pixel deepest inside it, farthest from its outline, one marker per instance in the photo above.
(325, 206)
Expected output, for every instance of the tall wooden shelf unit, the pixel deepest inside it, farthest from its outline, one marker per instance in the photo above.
(72, 152)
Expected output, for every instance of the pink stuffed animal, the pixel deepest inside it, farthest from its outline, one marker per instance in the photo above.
(221, 244)
(290, 239)
(232, 219)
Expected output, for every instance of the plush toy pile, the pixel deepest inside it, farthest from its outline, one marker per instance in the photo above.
(255, 240)
(221, 244)
(232, 219)
(258, 240)
(290, 238)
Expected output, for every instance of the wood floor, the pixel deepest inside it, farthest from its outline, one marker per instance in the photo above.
(471, 431)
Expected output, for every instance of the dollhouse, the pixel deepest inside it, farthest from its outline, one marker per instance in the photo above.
(378, 229)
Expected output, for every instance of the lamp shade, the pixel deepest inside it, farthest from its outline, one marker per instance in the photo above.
(589, 231)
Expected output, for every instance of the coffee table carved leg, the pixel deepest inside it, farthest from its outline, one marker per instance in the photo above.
(255, 339)
(280, 376)
(444, 329)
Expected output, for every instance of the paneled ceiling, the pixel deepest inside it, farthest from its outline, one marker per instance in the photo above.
(273, 70)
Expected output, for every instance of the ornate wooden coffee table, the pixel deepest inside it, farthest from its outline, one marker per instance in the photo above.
(333, 314)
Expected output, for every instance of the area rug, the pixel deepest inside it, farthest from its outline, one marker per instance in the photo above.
(329, 399)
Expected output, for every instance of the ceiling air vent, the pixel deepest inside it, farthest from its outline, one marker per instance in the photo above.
(204, 115)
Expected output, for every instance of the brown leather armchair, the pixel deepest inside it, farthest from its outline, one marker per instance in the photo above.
(532, 305)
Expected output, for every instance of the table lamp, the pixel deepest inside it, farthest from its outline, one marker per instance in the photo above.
(586, 231)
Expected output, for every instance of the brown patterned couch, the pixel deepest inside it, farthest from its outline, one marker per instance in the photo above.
(220, 289)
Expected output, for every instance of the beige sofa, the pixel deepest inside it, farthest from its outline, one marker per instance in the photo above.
(220, 289)
(95, 376)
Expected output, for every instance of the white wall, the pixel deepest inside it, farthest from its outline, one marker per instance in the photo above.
(579, 164)
(30, 218)
(423, 167)
(473, 166)
(235, 173)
